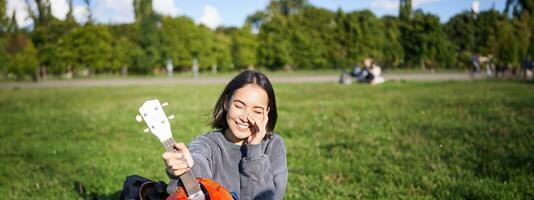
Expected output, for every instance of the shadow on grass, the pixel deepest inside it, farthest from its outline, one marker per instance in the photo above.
(84, 194)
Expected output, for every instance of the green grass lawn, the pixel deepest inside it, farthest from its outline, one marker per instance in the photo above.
(400, 140)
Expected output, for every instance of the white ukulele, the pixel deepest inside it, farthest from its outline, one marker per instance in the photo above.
(158, 123)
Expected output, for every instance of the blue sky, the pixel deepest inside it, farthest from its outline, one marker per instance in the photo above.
(233, 12)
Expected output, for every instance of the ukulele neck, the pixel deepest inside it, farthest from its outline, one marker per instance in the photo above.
(192, 187)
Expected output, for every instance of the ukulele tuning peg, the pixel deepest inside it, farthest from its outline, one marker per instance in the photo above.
(164, 104)
(138, 118)
(146, 130)
(170, 117)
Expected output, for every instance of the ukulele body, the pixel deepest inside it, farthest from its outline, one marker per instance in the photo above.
(212, 189)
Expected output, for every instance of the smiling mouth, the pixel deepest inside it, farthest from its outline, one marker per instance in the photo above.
(242, 125)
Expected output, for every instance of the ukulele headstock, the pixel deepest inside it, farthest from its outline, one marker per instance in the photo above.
(154, 116)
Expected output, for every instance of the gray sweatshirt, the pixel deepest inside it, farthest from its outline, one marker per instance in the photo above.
(251, 171)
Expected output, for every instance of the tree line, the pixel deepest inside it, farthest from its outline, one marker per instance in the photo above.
(286, 35)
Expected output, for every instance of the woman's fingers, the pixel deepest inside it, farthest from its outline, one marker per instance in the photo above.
(250, 119)
(172, 155)
(181, 154)
(180, 166)
(180, 161)
(254, 123)
(180, 146)
(175, 162)
(259, 124)
(185, 152)
(178, 169)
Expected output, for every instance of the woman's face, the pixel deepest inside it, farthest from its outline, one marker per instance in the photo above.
(249, 100)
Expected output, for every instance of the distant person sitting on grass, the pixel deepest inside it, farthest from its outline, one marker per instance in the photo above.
(360, 74)
(243, 153)
(375, 72)
(371, 73)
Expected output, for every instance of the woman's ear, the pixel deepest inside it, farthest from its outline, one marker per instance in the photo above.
(268, 109)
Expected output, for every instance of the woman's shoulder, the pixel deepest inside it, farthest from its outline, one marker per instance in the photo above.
(276, 138)
(206, 142)
(212, 136)
(274, 142)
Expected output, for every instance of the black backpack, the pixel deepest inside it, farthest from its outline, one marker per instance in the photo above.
(140, 188)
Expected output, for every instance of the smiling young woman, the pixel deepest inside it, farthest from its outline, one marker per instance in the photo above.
(243, 154)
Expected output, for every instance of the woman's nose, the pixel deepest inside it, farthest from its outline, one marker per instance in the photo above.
(245, 113)
(243, 116)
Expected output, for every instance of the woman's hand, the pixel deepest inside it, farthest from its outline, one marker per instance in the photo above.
(178, 162)
(259, 130)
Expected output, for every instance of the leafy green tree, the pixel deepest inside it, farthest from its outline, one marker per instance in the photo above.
(44, 12)
(518, 7)
(3, 17)
(21, 56)
(286, 7)
(88, 47)
(339, 52)
(150, 42)
(222, 52)
(47, 37)
(369, 35)
(392, 51)
(360, 35)
(461, 31)
(202, 47)
(18, 55)
(3, 29)
(486, 27)
(274, 45)
(176, 34)
(405, 9)
(523, 10)
(425, 43)
(149, 37)
(125, 53)
(256, 19)
(512, 43)
(48, 30)
(244, 47)
(311, 34)
(128, 31)
(3, 58)
(64, 56)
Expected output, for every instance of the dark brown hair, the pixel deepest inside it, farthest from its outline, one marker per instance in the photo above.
(244, 78)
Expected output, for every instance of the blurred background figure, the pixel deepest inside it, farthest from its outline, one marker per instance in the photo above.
(376, 71)
(527, 68)
(487, 62)
(475, 64)
(370, 73)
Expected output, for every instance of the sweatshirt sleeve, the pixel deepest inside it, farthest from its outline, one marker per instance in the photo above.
(264, 173)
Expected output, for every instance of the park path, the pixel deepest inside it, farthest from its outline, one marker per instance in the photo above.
(220, 80)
